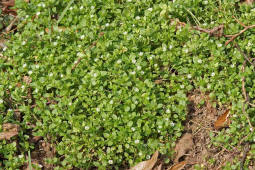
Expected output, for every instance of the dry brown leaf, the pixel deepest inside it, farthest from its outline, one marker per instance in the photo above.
(10, 127)
(178, 166)
(158, 81)
(159, 167)
(9, 3)
(35, 139)
(183, 146)
(147, 165)
(9, 130)
(222, 121)
(249, 2)
(7, 135)
(27, 79)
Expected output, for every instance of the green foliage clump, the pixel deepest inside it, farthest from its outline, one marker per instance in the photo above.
(93, 70)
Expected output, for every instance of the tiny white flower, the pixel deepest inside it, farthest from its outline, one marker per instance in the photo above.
(137, 17)
(129, 0)
(142, 72)
(95, 74)
(92, 7)
(82, 37)
(167, 111)
(61, 75)
(232, 66)
(43, 5)
(38, 13)
(22, 86)
(164, 49)
(37, 66)
(133, 129)
(159, 131)
(110, 161)
(30, 72)
(137, 141)
(27, 16)
(86, 127)
(107, 24)
(140, 153)
(219, 45)
(125, 33)
(21, 156)
(5, 48)
(251, 129)
(111, 102)
(139, 67)
(167, 119)
(24, 65)
(148, 157)
(172, 124)
(39, 5)
(23, 43)
(209, 86)
(199, 61)
(141, 53)
(213, 74)
(36, 90)
(136, 89)
(81, 7)
(205, 2)
(1, 101)
(150, 9)
(51, 74)
(234, 115)
(155, 65)
(97, 109)
(134, 61)
(10, 87)
(119, 61)
(91, 16)
(55, 43)
(133, 72)
(189, 76)
(182, 86)
(80, 54)
(71, 8)
(186, 50)
(70, 103)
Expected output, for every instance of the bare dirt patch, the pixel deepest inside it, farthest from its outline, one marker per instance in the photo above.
(200, 123)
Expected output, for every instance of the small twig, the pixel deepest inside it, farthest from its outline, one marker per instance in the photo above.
(213, 31)
(253, 105)
(7, 29)
(232, 37)
(246, 150)
(76, 63)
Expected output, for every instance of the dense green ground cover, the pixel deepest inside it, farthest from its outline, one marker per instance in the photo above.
(93, 92)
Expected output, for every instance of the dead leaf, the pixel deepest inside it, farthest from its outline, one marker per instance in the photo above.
(9, 130)
(147, 165)
(35, 139)
(178, 166)
(183, 146)
(7, 135)
(9, 3)
(10, 127)
(249, 2)
(158, 81)
(222, 121)
(159, 167)
(27, 79)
